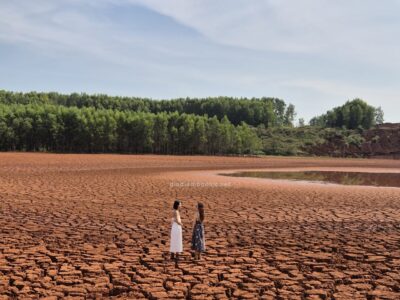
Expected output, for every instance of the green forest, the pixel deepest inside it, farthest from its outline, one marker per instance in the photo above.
(353, 114)
(81, 123)
(46, 127)
(268, 111)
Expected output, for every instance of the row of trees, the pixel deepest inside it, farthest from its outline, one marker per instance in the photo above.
(352, 115)
(47, 127)
(270, 112)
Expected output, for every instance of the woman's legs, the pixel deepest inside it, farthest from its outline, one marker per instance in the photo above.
(197, 255)
(176, 259)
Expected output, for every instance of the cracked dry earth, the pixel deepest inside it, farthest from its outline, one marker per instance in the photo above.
(97, 226)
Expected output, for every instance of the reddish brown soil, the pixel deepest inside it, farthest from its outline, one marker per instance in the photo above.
(96, 226)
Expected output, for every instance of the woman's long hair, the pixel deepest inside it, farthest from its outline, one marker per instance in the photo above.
(200, 208)
(176, 204)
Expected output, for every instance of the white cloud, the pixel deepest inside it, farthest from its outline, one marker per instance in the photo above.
(302, 50)
(355, 31)
(361, 30)
(65, 28)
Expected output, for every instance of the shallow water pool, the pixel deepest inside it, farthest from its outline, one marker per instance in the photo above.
(345, 178)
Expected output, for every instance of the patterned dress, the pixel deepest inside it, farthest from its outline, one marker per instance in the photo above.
(198, 240)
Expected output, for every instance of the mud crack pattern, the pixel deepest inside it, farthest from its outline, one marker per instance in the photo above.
(97, 226)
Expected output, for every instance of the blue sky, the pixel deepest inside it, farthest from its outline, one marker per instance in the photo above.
(315, 54)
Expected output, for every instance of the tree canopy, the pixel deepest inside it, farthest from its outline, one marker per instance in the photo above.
(353, 114)
(85, 123)
(56, 128)
(271, 112)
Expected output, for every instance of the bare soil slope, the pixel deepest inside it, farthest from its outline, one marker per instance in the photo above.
(97, 226)
(382, 141)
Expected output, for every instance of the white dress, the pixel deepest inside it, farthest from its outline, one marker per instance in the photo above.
(176, 236)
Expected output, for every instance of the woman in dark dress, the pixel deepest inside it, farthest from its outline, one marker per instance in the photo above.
(198, 240)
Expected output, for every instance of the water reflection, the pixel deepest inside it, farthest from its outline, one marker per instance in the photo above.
(345, 178)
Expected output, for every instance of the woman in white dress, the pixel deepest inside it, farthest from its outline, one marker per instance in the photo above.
(176, 246)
